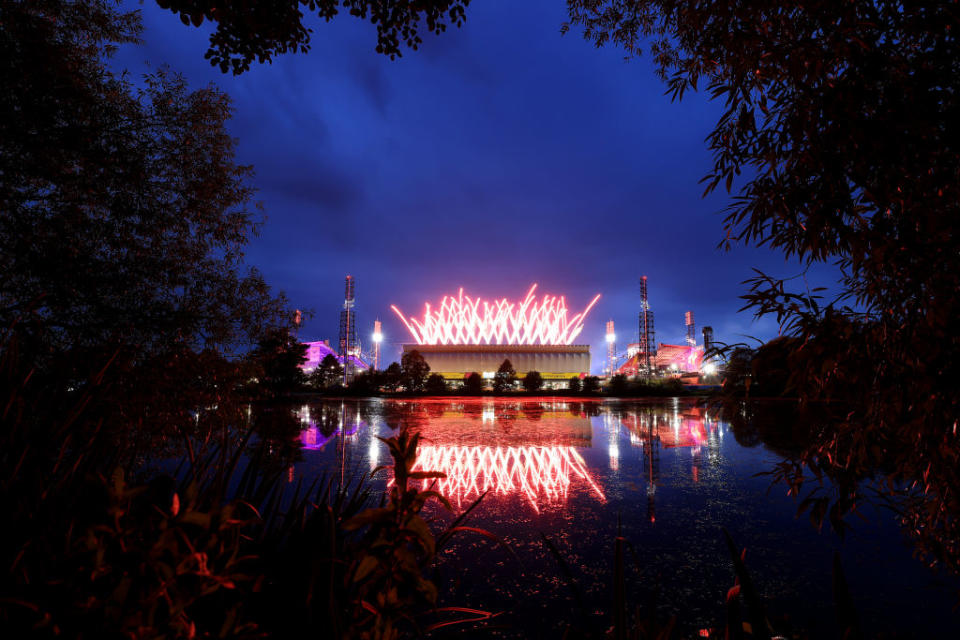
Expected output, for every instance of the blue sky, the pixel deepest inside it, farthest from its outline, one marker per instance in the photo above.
(498, 155)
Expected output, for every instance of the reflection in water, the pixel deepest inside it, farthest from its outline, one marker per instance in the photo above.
(680, 427)
(507, 448)
(663, 471)
(321, 427)
(540, 473)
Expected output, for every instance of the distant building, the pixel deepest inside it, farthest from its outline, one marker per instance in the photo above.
(678, 358)
(555, 362)
(463, 335)
(320, 349)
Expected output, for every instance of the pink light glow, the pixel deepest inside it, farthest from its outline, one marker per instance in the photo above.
(461, 319)
(540, 473)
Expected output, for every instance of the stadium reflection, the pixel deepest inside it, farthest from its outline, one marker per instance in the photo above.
(568, 476)
(525, 449)
(539, 473)
(537, 450)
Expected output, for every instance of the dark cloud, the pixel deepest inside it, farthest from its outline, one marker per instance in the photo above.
(310, 183)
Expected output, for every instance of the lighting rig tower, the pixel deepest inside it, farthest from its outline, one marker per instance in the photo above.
(647, 336)
(377, 339)
(709, 359)
(611, 349)
(691, 329)
(348, 331)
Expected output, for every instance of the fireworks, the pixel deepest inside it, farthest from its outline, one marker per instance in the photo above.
(462, 319)
(540, 473)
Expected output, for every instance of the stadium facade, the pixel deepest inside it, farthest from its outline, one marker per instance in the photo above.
(553, 362)
(464, 335)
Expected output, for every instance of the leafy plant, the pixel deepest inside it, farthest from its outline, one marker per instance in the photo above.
(388, 575)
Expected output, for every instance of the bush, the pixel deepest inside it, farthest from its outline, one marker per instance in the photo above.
(591, 384)
(533, 381)
(505, 377)
(618, 384)
(436, 384)
(473, 383)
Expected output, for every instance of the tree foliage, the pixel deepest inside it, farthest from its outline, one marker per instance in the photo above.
(473, 383)
(248, 31)
(618, 384)
(839, 143)
(841, 120)
(278, 358)
(124, 214)
(328, 373)
(415, 370)
(392, 376)
(574, 384)
(533, 381)
(435, 384)
(591, 384)
(506, 376)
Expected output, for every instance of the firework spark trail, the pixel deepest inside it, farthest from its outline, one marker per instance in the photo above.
(461, 319)
(538, 472)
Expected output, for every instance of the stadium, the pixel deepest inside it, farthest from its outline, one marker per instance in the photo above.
(463, 335)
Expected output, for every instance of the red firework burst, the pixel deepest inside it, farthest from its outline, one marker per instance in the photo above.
(462, 319)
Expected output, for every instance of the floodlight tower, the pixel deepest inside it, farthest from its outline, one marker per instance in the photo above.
(647, 341)
(348, 331)
(707, 339)
(611, 349)
(691, 329)
(377, 339)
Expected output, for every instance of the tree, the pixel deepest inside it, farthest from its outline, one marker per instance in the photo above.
(248, 31)
(591, 384)
(328, 373)
(392, 376)
(473, 383)
(618, 384)
(505, 377)
(533, 381)
(415, 370)
(841, 120)
(124, 213)
(436, 384)
(279, 356)
(738, 372)
(838, 140)
(574, 384)
(366, 383)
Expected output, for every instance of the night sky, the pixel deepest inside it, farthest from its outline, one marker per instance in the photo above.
(498, 155)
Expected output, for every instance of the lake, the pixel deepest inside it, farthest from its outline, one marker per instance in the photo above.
(667, 475)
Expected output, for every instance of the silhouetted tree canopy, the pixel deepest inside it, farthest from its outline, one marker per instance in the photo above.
(248, 31)
(533, 381)
(618, 384)
(415, 370)
(435, 384)
(473, 383)
(124, 213)
(591, 384)
(839, 143)
(278, 356)
(328, 372)
(392, 376)
(574, 384)
(505, 377)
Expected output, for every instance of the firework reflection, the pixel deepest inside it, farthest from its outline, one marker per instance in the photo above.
(542, 474)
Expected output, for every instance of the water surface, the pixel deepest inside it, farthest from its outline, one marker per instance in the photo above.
(666, 474)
